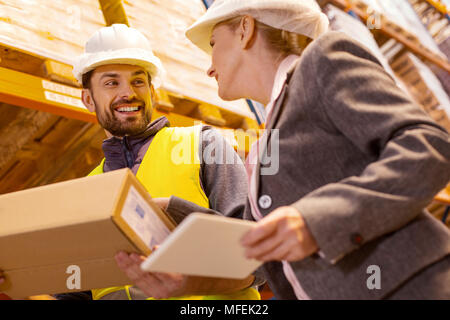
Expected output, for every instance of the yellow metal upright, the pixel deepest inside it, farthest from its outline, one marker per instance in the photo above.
(113, 12)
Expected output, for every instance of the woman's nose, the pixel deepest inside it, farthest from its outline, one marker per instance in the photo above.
(211, 72)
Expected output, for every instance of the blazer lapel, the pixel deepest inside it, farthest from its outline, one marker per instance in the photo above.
(277, 109)
(262, 146)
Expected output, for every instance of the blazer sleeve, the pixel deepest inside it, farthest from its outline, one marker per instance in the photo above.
(358, 99)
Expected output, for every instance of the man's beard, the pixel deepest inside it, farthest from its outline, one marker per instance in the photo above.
(132, 125)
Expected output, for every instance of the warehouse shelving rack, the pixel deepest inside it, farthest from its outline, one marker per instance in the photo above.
(440, 7)
(391, 30)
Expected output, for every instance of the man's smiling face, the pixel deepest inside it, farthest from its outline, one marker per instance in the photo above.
(121, 96)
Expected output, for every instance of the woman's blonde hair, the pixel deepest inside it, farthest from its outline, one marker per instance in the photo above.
(280, 40)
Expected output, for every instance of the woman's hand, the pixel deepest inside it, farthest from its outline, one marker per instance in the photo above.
(281, 235)
(156, 285)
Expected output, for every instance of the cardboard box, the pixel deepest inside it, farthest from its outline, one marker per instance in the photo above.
(63, 237)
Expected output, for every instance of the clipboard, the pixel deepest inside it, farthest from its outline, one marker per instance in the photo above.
(204, 245)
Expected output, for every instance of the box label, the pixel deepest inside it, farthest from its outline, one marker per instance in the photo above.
(143, 219)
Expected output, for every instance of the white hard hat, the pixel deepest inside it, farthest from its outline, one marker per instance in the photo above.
(119, 44)
(298, 16)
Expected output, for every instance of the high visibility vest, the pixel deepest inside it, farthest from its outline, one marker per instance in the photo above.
(171, 166)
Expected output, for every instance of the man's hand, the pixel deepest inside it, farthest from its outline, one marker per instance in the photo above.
(281, 235)
(156, 285)
(163, 203)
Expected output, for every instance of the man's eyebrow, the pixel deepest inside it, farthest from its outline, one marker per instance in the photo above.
(110, 75)
(116, 75)
(139, 72)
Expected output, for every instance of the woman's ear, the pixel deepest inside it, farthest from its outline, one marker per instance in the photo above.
(247, 31)
(88, 100)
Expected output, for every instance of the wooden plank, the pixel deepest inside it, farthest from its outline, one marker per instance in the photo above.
(35, 163)
(163, 102)
(83, 164)
(9, 113)
(14, 59)
(51, 166)
(210, 114)
(183, 105)
(59, 72)
(232, 120)
(17, 178)
(19, 132)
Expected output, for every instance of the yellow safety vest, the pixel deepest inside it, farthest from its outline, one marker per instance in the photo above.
(171, 166)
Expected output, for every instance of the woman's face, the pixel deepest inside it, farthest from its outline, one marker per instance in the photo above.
(226, 62)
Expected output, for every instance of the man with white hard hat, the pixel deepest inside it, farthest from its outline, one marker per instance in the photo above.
(119, 72)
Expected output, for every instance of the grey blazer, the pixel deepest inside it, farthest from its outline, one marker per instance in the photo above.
(360, 162)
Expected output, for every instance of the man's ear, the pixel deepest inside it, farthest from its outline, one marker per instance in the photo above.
(88, 99)
(247, 31)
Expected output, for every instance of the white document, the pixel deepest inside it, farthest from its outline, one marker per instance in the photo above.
(143, 220)
(204, 245)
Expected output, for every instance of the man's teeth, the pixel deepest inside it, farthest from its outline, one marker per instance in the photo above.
(128, 109)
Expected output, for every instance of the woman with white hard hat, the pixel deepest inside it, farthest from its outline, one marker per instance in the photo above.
(340, 178)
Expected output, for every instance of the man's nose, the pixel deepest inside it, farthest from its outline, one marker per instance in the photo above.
(127, 92)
